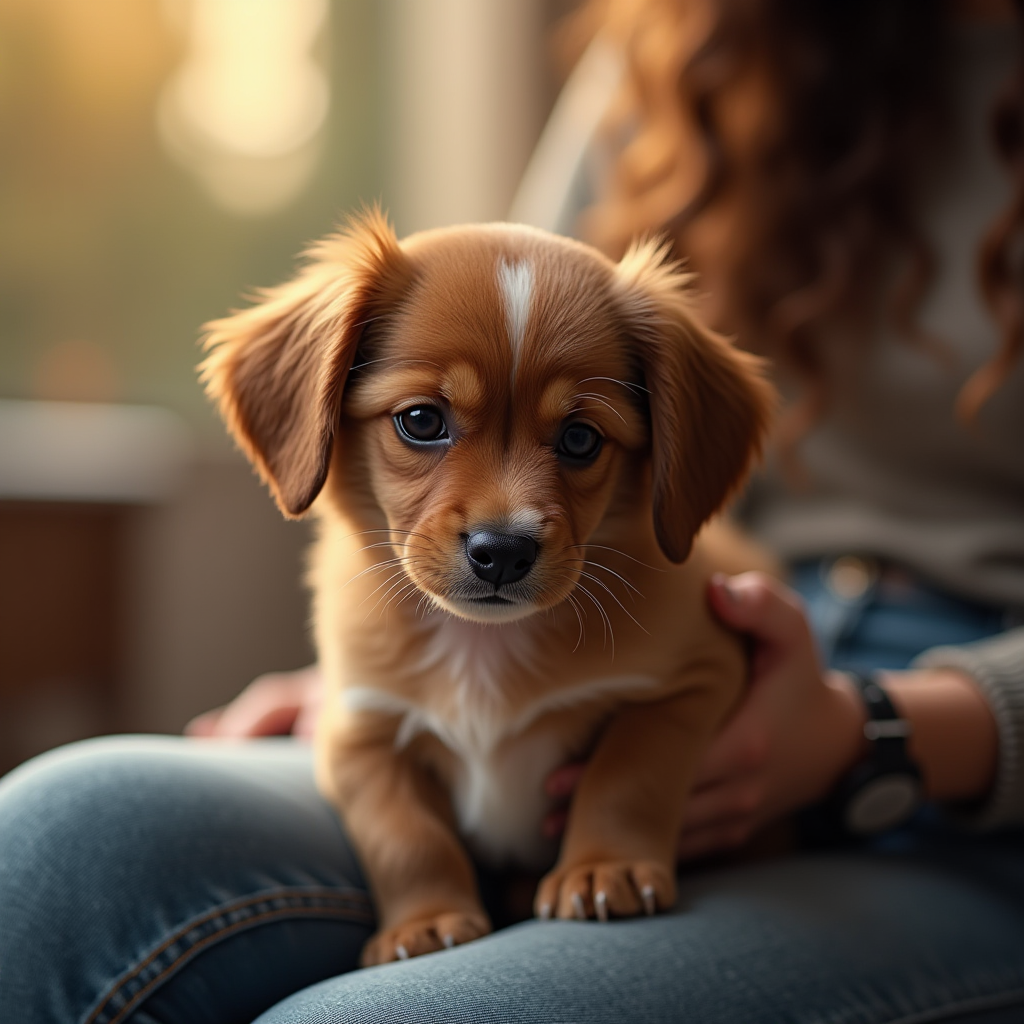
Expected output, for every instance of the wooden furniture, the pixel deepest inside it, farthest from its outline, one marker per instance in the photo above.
(71, 476)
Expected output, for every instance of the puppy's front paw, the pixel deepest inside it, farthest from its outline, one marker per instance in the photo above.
(423, 935)
(605, 889)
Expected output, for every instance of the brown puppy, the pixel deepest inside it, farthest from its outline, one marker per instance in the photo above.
(511, 443)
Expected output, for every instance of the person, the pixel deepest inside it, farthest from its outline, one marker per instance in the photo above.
(795, 154)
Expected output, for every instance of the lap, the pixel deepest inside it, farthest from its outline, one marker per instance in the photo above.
(203, 881)
(165, 880)
(931, 933)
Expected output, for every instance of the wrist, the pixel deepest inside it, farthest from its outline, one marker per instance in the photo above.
(954, 738)
(845, 738)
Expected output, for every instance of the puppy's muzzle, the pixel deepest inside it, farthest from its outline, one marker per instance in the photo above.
(500, 558)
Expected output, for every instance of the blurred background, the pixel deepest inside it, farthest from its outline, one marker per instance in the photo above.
(159, 158)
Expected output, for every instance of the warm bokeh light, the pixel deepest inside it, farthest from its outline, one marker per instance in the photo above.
(144, 575)
(244, 108)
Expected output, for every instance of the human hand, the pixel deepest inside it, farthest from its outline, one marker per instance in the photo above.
(275, 704)
(790, 740)
(794, 735)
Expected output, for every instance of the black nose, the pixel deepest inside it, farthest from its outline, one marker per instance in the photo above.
(500, 557)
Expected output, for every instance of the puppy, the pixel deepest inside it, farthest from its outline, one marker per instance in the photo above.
(510, 444)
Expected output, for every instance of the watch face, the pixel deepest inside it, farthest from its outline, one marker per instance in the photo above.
(883, 802)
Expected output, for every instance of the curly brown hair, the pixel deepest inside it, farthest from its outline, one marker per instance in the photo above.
(782, 145)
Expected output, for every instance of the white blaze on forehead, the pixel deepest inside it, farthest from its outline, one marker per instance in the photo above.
(515, 281)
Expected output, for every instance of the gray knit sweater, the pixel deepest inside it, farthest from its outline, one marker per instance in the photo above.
(893, 474)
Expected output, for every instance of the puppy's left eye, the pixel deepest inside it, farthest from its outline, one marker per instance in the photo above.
(422, 424)
(580, 442)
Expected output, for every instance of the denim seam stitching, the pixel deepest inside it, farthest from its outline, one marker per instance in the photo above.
(352, 907)
(154, 983)
(300, 895)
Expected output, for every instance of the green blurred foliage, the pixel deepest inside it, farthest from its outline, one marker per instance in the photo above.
(105, 241)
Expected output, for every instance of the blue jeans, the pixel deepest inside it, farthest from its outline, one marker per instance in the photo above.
(166, 881)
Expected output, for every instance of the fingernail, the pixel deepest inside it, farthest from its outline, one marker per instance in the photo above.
(647, 895)
(449, 941)
(720, 580)
(601, 905)
(545, 912)
(401, 952)
(578, 908)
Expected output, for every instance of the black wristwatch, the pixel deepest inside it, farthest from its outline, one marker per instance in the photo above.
(884, 790)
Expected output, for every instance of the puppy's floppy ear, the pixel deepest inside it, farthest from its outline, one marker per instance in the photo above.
(710, 404)
(277, 369)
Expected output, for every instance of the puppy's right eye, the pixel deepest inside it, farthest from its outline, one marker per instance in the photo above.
(422, 424)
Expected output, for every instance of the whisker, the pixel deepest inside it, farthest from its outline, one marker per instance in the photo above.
(408, 595)
(603, 401)
(370, 320)
(393, 530)
(386, 598)
(605, 547)
(390, 580)
(376, 544)
(611, 594)
(389, 563)
(575, 605)
(388, 359)
(393, 576)
(615, 380)
(606, 622)
(599, 565)
(404, 591)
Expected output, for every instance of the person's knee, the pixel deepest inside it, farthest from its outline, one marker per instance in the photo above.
(78, 774)
(50, 805)
(148, 807)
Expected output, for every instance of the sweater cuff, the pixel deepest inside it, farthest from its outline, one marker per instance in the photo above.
(997, 665)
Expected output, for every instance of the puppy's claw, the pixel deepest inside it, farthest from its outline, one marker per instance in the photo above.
(578, 908)
(545, 912)
(647, 895)
(448, 940)
(601, 905)
(401, 952)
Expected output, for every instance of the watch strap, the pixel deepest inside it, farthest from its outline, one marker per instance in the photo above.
(883, 789)
(885, 729)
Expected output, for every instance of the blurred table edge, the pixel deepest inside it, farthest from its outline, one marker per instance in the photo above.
(91, 452)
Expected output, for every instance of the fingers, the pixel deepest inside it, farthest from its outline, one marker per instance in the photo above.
(268, 706)
(305, 723)
(760, 605)
(735, 801)
(554, 823)
(204, 724)
(311, 683)
(560, 785)
(720, 838)
(742, 747)
(562, 782)
(257, 716)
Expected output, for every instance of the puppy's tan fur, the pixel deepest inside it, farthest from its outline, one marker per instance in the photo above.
(444, 715)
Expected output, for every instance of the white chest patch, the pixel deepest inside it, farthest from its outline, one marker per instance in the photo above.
(498, 790)
(515, 282)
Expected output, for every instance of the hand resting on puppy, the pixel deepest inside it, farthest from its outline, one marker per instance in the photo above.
(799, 728)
